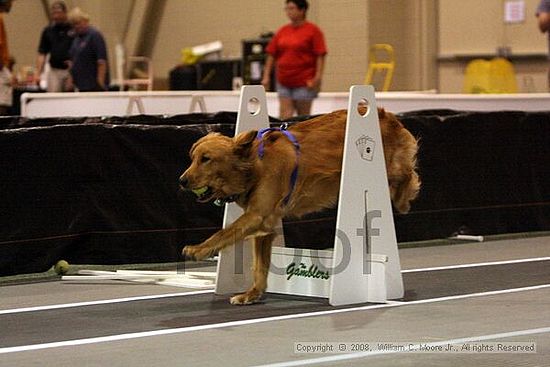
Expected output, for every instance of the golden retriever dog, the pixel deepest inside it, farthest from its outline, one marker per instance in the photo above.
(271, 177)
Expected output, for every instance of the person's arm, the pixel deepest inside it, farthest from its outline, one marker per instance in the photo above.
(315, 83)
(40, 62)
(69, 82)
(101, 73)
(101, 52)
(544, 21)
(268, 68)
(44, 48)
(4, 53)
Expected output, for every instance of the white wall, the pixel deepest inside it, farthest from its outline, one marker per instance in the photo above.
(420, 30)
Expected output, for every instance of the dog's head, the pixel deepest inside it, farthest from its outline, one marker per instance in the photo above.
(221, 167)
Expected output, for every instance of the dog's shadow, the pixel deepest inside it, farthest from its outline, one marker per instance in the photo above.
(216, 309)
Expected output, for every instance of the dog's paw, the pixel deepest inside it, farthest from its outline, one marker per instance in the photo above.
(195, 253)
(186, 253)
(247, 298)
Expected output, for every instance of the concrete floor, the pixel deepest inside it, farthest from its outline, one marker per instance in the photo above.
(490, 303)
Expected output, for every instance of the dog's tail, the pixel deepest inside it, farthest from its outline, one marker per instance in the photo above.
(401, 164)
(404, 191)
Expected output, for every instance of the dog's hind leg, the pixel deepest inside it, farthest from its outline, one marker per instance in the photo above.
(262, 260)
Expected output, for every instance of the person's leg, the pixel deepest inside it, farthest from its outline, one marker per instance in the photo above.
(286, 108)
(64, 78)
(54, 82)
(6, 91)
(303, 106)
(303, 99)
(286, 105)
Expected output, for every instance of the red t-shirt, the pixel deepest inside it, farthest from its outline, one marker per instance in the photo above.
(295, 50)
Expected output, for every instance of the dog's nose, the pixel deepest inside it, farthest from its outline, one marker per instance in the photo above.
(184, 181)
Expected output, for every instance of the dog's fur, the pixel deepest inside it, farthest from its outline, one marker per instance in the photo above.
(230, 167)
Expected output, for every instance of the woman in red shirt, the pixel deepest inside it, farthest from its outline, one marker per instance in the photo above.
(298, 51)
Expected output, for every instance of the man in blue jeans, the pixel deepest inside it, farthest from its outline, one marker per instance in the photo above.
(543, 16)
(89, 68)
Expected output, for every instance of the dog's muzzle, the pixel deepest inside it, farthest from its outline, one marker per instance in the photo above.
(184, 182)
(205, 193)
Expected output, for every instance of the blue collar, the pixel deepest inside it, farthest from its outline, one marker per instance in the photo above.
(292, 138)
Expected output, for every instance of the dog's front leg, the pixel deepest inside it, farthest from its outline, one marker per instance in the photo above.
(246, 225)
(262, 260)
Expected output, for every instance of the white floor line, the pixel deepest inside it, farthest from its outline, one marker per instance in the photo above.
(347, 357)
(143, 298)
(101, 302)
(129, 336)
(473, 265)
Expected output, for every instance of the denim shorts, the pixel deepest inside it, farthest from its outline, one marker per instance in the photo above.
(296, 93)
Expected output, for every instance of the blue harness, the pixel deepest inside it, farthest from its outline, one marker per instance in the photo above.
(292, 138)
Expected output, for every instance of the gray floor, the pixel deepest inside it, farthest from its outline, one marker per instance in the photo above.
(485, 304)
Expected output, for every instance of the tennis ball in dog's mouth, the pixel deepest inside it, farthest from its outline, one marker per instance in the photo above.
(61, 267)
(200, 190)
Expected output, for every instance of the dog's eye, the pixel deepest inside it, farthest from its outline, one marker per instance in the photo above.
(205, 159)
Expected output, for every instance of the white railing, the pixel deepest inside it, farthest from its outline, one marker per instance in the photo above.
(182, 102)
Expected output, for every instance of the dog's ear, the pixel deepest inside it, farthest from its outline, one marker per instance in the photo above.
(243, 143)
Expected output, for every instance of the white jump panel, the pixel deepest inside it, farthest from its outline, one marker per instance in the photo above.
(300, 272)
